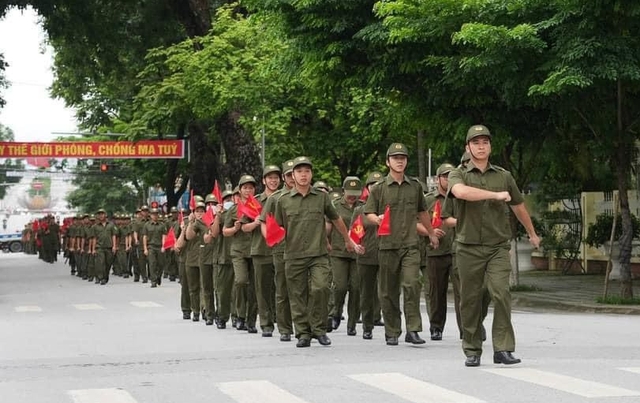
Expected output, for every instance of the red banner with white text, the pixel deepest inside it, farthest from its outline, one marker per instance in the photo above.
(95, 149)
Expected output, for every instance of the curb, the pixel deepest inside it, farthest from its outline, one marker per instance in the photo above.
(528, 301)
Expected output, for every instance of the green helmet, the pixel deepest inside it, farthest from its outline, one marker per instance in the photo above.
(397, 149)
(444, 169)
(477, 131)
(270, 169)
(373, 178)
(210, 199)
(247, 179)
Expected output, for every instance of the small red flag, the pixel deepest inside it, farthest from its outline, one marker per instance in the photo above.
(208, 217)
(365, 194)
(216, 192)
(252, 208)
(356, 232)
(192, 201)
(275, 233)
(170, 239)
(385, 226)
(436, 218)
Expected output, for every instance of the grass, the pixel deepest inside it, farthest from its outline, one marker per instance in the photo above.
(524, 287)
(616, 300)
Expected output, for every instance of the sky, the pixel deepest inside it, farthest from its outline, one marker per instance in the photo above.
(29, 110)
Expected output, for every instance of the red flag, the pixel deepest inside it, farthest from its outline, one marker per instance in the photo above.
(240, 208)
(38, 162)
(208, 217)
(170, 239)
(385, 226)
(252, 208)
(275, 233)
(356, 232)
(192, 201)
(35, 226)
(436, 218)
(365, 194)
(216, 192)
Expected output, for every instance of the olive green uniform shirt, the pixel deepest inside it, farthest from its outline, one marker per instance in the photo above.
(103, 234)
(444, 247)
(484, 222)
(154, 232)
(241, 244)
(370, 239)
(303, 218)
(405, 201)
(193, 244)
(224, 243)
(258, 243)
(338, 248)
(270, 207)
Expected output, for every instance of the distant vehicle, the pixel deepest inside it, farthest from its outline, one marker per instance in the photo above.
(11, 242)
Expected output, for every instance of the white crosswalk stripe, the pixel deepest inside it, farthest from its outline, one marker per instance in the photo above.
(563, 383)
(145, 304)
(88, 307)
(412, 389)
(28, 308)
(635, 370)
(257, 391)
(112, 395)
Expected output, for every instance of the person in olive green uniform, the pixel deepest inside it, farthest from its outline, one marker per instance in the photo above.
(264, 270)
(440, 261)
(172, 261)
(181, 258)
(153, 234)
(283, 308)
(246, 304)
(194, 234)
(484, 193)
(105, 246)
(207, 272)
(302, 213)
(140, 263)
(224, 264)
(368, 266)
(398, 254)
(343, 263)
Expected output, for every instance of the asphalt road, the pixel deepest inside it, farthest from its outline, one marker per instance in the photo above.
(65, 340)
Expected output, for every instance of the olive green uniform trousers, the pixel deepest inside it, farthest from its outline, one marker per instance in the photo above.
(283, 307)
(346, 279)
(246, 305)
(264, 274)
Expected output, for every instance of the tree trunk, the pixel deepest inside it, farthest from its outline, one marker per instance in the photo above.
(194, 16)
(204, 159)
(241, 153)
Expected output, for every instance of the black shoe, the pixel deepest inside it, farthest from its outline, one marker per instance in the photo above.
(378, 322)
(136, 279)
(165, 275)
(186, 315)
(209, 322)
(252, 329)
(145, 280)
(97, 281)
(351, 331)
(391, 340)
(330, 325)
(221, 325)
(267, 334)
(84, 277)
(196, 317)
(413, 338)
(505, 357)
(125, 276)
(172, 278)
(73, 272)
(90, 279)
(324, 340)
(367, 335)
(234, 322)
(335, 322)
(303, 343)
(472, 361)
(159, 280)
(240, 325)
(285, 337)
(154, 285)
(436, 334)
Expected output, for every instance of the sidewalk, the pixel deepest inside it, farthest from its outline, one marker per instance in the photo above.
(571, 293)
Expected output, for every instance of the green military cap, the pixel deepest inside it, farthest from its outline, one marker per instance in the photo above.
(92, 217)
(198, 198)
(397, 149)
(210, 199)
(137, 210)
(373, 177)
(126, 217)
(299, 161)
(465, 157)
(477, 131)
(321, 185)
(352, 186)
(236, 190)
(85, 215)
(227, 193)
(144, 207)
(247, 179)
(287, 166)
(154, 211)
(116, 216)
(444, 169)
(270, 169)
(173, 210)
(101, 211)
(335, 195)
(200, 205)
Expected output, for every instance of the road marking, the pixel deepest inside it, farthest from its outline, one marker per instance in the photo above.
(145, 304)
(28, 308)
(635, 370)
(88, 307)
(112, 395)
(412, 389)
(253, 391)
(563, 382)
